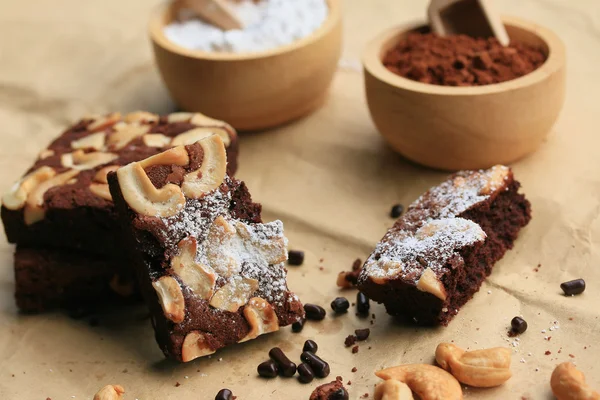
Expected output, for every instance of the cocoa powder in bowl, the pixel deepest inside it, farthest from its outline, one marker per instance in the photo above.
(461, 60)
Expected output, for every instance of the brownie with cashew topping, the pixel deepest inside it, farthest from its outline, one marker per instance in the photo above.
(61, 213)
(63, 200)
(212, 273)
(437, 255)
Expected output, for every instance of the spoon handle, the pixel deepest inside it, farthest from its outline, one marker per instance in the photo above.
(216, 12)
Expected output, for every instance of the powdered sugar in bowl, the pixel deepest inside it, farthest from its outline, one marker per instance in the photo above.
(277, 69)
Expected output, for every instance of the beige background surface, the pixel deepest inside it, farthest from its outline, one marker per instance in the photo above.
(332, 180)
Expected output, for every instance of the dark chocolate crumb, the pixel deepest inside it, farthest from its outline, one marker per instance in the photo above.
(362, 334)
(177, 384)
(396, 210)
(355, 349)
(314, 312)
(298, 326)
(350, 340)
(548, 352)
(573, 287)
(295, 257)
(224, 394)
(518, 325)
(354, 369)
(340, 305)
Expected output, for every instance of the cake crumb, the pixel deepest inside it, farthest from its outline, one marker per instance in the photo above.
(548, 352)
(355, 349)
(354, 369)
(177, 384)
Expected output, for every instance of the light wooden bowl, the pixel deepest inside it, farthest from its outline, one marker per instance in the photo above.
(251, 91)
(455, 128)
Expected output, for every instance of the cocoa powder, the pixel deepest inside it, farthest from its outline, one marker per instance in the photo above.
(461, 60)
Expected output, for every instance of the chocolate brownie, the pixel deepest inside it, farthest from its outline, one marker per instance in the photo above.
(211, 272)
(436, 256)
(63, 200)
(49, 278)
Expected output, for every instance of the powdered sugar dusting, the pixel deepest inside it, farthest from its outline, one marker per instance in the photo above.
(195, 219)
(235, 249)
(232, 248)
(430, 234)
(430, 247)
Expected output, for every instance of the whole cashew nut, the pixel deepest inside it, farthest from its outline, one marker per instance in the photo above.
(568, 383)
(427, 381)
(478, 368)
(110, 392)
(393, 390)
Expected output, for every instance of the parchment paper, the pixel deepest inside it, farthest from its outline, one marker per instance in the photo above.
(332, 180)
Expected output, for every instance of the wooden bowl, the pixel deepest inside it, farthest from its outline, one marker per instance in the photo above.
(455, 128)
(250, 91)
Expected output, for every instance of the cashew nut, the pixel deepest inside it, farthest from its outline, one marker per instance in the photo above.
(193, 135)
(34, 211)
(17, 196)
(212, 171)
(427, 381)
(200, 278)
(141, 194)
(110, 392)
(171, 298)
(94, 141)
(102, 123)
(231, 296)
(141, 116)
(393, 390)
(195, 345)
(568, 383)
(429, 282)
(479, 368)
(261, 317)
(80, 161)
(156, 140)
(125, 133)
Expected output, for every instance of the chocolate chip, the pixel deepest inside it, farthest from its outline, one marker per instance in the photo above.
(574, 287)
(340, 305)
(224, 394)
(268, 369)
(362, 334)
(397, 211)
(295, 257)
(350, 340)
(305, 373)
(320, 367)
(518, 324)
(314, 312)
(340, 394)
(286, 366)
(298, 326)
(362, 304)
(310, 345)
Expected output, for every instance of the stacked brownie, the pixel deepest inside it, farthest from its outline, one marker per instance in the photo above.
(436, 256)
(211, 272)
(61, 215)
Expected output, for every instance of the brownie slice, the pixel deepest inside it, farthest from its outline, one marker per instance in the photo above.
(49, 278)
(211, 272)
(436, 256)
(63, 200)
